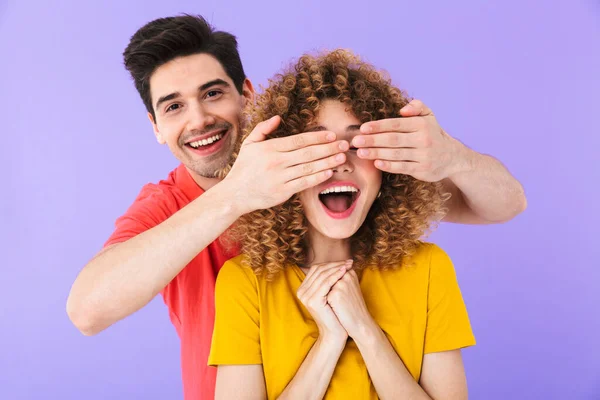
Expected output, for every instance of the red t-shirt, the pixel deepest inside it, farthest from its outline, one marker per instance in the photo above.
(190, 296)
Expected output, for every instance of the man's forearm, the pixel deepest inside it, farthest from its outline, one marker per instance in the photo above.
(483, 191)
(313, 376)
(125, 277)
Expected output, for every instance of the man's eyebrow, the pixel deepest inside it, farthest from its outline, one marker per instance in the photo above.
(207, 85)
(168, 97)
(214, 82)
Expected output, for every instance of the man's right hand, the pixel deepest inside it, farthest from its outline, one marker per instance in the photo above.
(268, 172)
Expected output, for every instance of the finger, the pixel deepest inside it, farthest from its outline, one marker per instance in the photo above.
(399, 167)
(301, 140)
(263, 129)
(406, 125)
(414, 108)
(313, 167)
(387, 139)
(324, 282)
(318, 269)
(307, 181)
(307, 288)
(414, 155)
(316, 152)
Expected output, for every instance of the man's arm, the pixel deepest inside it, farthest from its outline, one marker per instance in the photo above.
(483, 190)
(124, 277)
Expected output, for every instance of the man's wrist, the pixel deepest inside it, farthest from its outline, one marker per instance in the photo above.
(464, 161)
(225, 195)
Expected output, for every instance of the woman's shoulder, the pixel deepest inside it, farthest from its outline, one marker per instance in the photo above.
(425, 257)
(234, 269)
(427, 253)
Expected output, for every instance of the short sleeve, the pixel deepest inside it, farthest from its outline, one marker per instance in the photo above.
(151, 207)
(236, 335)
(448, 325)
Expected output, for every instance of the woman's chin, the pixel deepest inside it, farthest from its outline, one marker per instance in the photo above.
(338, 232)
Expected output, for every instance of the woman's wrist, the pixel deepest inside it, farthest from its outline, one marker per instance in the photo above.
(334, 341)
(367, 333)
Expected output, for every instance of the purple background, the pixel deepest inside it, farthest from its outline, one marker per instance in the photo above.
(518, 80)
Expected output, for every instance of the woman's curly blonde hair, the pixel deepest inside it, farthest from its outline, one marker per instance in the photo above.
(398, 218)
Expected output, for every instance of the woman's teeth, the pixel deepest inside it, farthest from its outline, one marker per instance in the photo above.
(207, 141)
(340, 189)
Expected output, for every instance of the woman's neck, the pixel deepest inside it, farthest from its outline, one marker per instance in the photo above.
(323, 249)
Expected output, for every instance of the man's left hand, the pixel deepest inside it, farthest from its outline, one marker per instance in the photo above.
(414, 145)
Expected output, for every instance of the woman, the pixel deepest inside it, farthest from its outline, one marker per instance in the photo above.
(295, 322)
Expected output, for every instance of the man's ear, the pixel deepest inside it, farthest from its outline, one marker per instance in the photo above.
(159, 137)
(248, 91)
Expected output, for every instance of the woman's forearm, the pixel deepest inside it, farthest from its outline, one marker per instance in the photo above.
(313, 376)
(387, 371)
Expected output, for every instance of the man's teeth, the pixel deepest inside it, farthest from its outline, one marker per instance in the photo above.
(339, 189)
(206, 141)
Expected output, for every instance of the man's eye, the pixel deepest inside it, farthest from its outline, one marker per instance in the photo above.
(213, 93)
(173, 107)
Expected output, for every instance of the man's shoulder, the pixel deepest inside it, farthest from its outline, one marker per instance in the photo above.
(167, 191)
(164, 187)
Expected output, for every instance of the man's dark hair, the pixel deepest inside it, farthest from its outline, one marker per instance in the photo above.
(165, 39)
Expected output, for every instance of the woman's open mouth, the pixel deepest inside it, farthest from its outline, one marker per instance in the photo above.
(339, 201)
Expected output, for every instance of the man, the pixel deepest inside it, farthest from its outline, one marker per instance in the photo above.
(193, 85)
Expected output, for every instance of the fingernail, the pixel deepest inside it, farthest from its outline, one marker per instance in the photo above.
(363, 152)
(358, 141)
(344, 145)
(339, 157)
(379, 164)
(407, 107)
(366, 129)
(330, 136)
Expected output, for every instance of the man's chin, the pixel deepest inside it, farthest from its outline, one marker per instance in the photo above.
(217, 172)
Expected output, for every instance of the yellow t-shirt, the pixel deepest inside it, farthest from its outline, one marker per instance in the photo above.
(419, 306)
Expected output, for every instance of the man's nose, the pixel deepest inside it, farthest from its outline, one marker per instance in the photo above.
(199, 118)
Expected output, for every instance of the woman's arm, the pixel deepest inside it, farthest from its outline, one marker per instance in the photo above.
(313, 376)
(442, 376)
(247, 382)
(243, 382)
